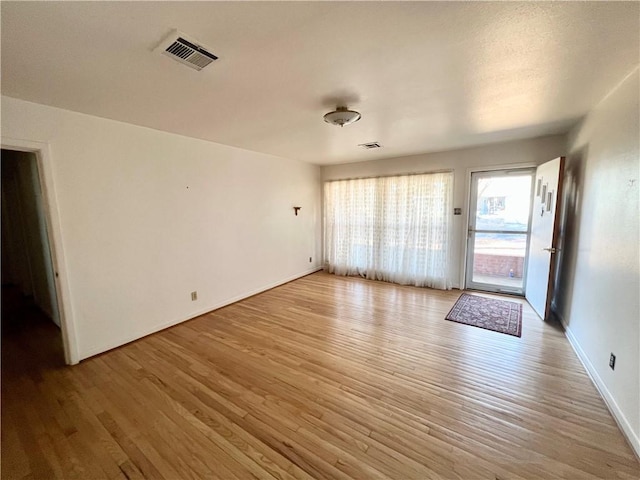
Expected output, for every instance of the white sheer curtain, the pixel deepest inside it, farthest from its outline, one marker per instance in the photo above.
(396, 229)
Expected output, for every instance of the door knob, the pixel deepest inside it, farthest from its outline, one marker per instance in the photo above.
(550, 250)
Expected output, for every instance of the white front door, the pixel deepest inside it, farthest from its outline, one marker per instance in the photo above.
(544, 235)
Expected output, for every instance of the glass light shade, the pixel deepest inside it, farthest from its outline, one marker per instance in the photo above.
(342, 116)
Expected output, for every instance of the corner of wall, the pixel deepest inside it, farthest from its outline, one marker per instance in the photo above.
(609, 400)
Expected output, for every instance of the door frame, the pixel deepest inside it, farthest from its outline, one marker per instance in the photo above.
(467, 206)
(42, 153)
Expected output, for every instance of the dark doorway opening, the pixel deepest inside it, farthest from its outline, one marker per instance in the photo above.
(29, 300)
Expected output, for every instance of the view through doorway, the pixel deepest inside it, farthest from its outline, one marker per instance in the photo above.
(499, 230)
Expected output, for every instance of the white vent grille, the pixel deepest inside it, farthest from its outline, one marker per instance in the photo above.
(369, 146)
(186, 51)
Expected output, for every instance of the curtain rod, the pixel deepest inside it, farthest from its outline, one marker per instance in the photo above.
(432, 172)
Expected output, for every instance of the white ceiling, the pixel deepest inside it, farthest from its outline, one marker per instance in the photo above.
(426, 76)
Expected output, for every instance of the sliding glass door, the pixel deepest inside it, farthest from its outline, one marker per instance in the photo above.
(499, 228)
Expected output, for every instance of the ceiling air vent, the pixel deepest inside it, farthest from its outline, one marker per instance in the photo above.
(369, 146)
(186, 51)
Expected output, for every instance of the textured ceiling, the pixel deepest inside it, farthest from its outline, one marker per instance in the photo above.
(426, 76)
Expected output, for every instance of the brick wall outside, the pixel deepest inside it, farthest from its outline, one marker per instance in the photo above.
(498, 265)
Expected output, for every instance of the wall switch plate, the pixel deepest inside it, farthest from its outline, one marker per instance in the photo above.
(457, 211)
(612, 361)
(194, 296)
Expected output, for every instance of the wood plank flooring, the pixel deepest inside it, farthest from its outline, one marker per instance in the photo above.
(324, 377)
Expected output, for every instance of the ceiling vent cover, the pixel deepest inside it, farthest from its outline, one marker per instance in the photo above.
(369, 146)
(186, 51)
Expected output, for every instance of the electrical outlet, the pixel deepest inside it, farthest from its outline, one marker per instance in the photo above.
(310, 259)
(612, 361)
(194, 296)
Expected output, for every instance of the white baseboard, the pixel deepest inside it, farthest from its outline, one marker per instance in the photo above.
(130, 338)
(612, 405)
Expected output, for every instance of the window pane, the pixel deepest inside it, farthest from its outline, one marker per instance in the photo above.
(503, 203)
(498, 258)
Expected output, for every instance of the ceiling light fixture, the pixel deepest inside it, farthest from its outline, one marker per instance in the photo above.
(342, 116)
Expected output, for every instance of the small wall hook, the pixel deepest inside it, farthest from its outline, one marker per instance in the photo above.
(295, 209)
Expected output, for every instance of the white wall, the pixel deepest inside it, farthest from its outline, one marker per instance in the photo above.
(147, 217)
(531, 151)
(599, 276)
(27, 262)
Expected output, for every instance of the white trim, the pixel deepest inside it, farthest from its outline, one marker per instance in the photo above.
(130, 338)
(612, 405)
(54, 232)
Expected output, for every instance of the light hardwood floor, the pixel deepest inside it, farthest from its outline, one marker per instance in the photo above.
(324, 377)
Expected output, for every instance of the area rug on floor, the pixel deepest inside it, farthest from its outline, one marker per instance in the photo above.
(497, 315)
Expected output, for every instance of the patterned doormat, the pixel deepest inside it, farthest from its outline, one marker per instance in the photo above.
(497, 315)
